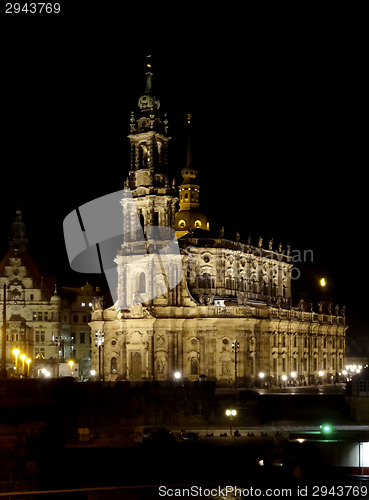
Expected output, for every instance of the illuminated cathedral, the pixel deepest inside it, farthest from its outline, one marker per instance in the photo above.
(231, 317)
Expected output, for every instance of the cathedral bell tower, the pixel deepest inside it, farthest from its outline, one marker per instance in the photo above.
(150, 184)
(189, 216)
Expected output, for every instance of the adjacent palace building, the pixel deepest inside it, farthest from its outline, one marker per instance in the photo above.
(231, 318)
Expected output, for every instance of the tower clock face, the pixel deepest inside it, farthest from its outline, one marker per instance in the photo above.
(182, 223)
(197, 223)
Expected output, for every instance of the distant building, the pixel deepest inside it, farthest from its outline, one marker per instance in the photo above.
(76, 332)
(33, 309)
(231, 318)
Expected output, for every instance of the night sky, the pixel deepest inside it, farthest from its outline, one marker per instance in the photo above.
(277, 138)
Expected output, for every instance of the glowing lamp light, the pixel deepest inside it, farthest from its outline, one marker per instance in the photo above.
(326, 428)
(293, 374)
(231, 413)
(177, 375)
(261, 375)
(322, 282)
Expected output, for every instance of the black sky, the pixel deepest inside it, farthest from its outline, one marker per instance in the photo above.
(277, 138)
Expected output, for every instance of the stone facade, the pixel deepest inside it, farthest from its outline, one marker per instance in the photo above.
(75, 341)
(230, 318)
(33, 310)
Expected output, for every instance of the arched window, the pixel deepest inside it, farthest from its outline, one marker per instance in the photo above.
(206, 281)
(113, 365)
(194, 366)
(141, 283)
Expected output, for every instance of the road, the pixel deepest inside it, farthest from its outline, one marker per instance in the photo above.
(308, 390)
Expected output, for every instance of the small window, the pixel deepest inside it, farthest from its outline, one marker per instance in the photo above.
(113, 365)
(75, 318)
(39, 316)
(31, 298)
(141, 283)
(82, 337)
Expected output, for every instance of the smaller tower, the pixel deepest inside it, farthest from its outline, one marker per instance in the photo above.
(18, 241)
(189, 214)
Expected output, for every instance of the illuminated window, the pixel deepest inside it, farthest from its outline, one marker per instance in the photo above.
(40, 353)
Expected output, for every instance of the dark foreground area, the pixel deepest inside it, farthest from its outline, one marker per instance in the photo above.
(39, 447)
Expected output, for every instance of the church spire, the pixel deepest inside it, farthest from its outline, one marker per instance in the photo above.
(148, 103)
(189, 162)
(189, 215)
(149, 140)
(18, 241)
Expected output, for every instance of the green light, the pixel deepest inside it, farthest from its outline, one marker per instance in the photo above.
(326, 428)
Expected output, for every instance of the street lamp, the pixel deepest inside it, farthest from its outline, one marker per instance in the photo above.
(22, 357)
(28, 361)
(71, 363)
(284, 378)
(16, 354)
(177, 375)
(320, 373)
(323, 282)
(231, 413)
(293, 375)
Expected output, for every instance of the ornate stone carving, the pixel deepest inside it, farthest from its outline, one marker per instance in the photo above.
(97, 303)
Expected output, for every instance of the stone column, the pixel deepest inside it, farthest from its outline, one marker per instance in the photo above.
(171, 361)
(132, 156)
(137, 155)
(212, 349)
(180, 351)
(124, 358)
(202, 364)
